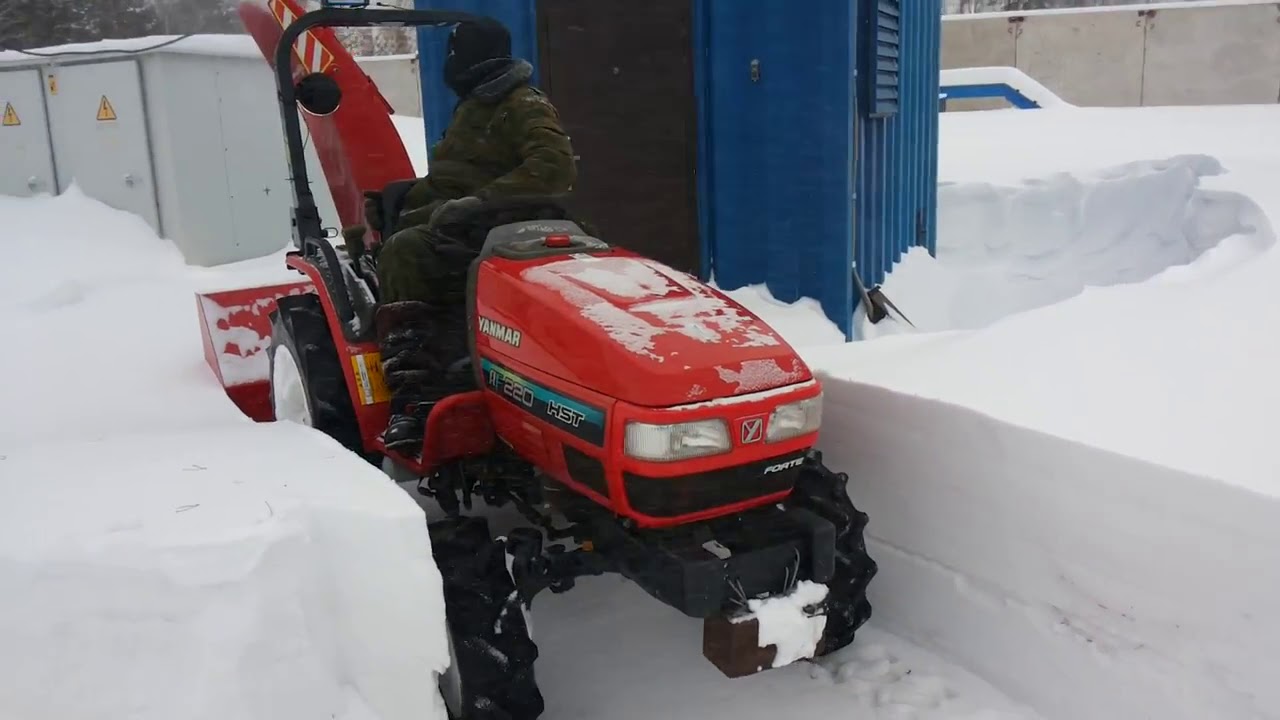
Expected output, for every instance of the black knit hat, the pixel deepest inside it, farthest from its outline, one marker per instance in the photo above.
(471, 46)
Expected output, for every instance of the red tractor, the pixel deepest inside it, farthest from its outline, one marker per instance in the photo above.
(642, 422)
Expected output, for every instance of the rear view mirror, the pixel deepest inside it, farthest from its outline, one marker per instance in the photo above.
(318, 94)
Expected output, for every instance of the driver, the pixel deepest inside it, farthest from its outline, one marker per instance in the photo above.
(504, 140)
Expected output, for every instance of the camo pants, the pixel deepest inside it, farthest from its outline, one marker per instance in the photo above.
(416, 265)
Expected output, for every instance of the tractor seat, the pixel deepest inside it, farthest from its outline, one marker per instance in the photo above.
(393, 203)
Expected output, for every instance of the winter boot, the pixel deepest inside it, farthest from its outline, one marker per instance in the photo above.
(404, 330)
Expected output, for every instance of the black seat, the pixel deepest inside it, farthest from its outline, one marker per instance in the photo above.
(393, 203)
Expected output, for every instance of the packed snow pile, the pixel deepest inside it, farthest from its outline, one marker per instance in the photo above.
(161, 556)
(785, 623)
(1007, 249)
(1137, 326)
(1069, 464)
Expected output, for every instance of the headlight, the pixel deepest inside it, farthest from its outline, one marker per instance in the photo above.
(795, 419)
(665, 443)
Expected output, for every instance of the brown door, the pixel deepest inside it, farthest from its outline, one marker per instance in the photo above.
(621, 75)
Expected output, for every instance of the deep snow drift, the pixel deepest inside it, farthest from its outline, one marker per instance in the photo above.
(161, 556)
(1125, 305)
(1003, 250)
(1070, 466)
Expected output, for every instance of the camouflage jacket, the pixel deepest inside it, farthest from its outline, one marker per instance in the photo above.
(504, 139)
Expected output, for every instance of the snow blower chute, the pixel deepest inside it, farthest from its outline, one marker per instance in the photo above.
(642, 422)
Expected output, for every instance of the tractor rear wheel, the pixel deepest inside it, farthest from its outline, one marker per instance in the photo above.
(491, 652)
(307, 384)
(824, 492)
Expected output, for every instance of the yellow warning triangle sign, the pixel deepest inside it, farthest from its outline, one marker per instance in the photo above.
(10, 116)
(105, 111)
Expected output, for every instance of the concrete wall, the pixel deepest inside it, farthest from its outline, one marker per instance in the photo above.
(1195, 55)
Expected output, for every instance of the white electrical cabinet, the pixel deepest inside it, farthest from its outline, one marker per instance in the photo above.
(99, 129)
(26, 154)
(188, 137)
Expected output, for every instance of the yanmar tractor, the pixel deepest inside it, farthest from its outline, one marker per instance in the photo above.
(642, 422)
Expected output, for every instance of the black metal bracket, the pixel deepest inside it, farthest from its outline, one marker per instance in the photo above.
(556, 569)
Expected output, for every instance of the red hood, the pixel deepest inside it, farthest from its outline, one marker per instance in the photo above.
(636, 330)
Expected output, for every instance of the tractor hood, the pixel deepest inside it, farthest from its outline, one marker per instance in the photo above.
(632, 329)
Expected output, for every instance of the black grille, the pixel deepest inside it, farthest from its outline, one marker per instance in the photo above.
(585, 469)
(671, 497)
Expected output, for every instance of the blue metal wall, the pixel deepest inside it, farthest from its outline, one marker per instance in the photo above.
(897, 164)
(778, 159)
(802, 169)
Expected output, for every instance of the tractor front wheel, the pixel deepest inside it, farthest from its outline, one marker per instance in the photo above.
(491, 652)
(307, 384)
(824, 492)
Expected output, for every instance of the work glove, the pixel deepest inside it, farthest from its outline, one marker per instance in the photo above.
(353, 236)
(452, 210)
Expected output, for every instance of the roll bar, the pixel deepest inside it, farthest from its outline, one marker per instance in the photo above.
(307, 231)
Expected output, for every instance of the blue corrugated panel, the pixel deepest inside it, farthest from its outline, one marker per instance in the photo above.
(438, 100)
(885, 45)
(898, 156)
(778, 163)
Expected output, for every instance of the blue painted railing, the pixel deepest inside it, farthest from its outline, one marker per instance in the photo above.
(987, 90)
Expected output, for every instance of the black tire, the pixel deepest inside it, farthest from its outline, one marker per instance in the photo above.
(298, 324)
(491, 642)
(826, 493)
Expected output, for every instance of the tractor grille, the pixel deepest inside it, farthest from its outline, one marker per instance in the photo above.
(585, 469)
(671, 497)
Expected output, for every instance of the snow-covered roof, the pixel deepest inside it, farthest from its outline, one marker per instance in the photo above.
(215, 45)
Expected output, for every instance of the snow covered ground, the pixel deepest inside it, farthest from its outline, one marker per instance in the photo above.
(1068, 487)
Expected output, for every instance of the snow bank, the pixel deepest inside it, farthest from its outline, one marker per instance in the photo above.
(111, 310)
(1072, 480)
(801, 323)
(252, 572)
(1084, 582)
(1004, 250)
(1177, 368)
(161, 556)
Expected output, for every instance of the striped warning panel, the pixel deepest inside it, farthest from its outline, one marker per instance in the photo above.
(311, 53)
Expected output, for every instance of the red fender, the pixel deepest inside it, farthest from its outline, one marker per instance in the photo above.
(358, 145)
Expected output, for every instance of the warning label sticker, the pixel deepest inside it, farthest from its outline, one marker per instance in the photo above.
(10, 116)
(105, 111)
(373, 387)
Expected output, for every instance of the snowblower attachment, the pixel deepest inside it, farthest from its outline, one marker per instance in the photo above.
(236, 327)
